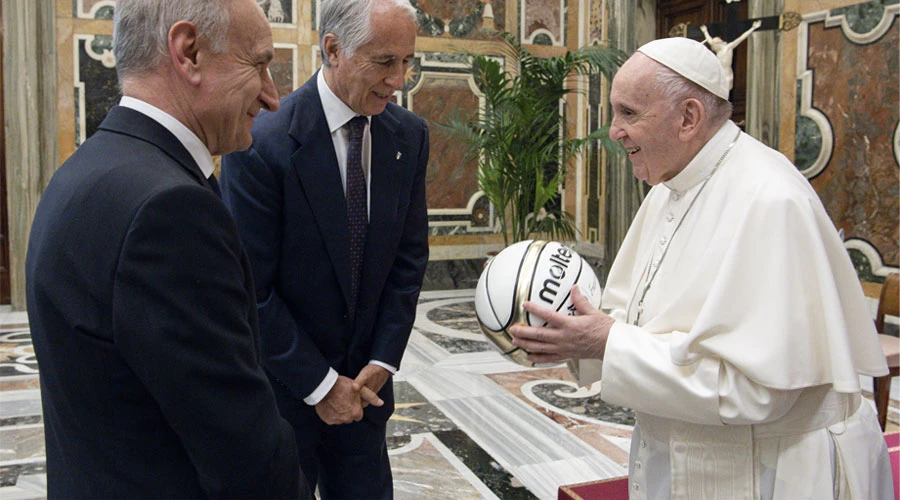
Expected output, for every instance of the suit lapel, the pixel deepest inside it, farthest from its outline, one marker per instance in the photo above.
(316, 165)
(384, 172)
(127, 121)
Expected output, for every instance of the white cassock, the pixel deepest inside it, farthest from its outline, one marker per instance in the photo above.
(743, 368)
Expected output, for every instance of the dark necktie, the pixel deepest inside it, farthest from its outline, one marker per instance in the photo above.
(357, 212)
(215, 185)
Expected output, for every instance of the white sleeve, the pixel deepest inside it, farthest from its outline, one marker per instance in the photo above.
(638, 373)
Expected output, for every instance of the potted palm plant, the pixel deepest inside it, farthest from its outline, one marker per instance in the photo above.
(520, 140)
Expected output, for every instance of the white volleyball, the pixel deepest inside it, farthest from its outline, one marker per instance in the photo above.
(542, 272)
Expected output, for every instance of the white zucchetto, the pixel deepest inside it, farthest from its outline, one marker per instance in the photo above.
(690, 59)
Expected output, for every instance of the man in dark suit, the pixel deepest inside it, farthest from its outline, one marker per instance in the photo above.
(140, 296)
(329, 343)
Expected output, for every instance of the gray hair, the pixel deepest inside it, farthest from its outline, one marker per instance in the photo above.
(675, 88)
(141, 29)
(350, 21)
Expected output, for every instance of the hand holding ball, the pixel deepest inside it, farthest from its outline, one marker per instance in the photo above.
(542, 272)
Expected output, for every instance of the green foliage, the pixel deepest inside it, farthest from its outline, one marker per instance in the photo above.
(520, 141)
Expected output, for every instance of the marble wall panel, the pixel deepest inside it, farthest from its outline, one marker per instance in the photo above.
(451, 171)
(465, 19)
(456, 274)
(440, 88)
(96, 86)
(279, 12)
(283, 69)
(542, 22)
(846, 126)
(93, 9)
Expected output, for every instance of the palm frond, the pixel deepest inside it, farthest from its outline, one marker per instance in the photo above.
(519, 138)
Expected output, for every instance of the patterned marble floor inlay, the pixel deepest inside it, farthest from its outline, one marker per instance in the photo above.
(533, 423)
(16, 354)
(425, 468)
(413, 414)
(22, 462)
(469, 424)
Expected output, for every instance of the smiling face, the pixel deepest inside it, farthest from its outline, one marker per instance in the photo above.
(238, 83)
(366, 81)
(646, 124)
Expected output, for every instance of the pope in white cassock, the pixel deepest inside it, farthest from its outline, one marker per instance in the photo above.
(737, 326)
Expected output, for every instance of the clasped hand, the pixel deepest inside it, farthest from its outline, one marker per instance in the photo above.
(565, 337)
(346, 400)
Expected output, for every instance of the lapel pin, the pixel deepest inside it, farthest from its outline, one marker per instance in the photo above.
(399, 154)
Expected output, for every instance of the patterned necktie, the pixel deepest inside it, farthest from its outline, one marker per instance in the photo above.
(357, 211)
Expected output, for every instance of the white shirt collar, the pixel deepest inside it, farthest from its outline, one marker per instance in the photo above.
(337, 114)
(705, 161)
(191, 142)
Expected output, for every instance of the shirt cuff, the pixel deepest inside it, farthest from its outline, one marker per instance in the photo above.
(322, 391)
(386, 366)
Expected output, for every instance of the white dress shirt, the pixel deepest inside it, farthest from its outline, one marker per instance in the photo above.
(191, 142)
(338, 114)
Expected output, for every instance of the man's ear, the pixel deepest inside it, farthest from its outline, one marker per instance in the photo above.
(693, 116)
(332, 47)
(184, 49)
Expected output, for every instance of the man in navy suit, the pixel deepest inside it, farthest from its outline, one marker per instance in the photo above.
(328, 348)
(140, 296)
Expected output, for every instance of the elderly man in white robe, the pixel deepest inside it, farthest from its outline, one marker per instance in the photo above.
(736, 328)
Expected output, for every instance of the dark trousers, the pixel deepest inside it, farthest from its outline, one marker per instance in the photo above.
(345, 462)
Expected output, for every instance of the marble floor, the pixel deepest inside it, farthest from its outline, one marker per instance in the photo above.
(469, 424)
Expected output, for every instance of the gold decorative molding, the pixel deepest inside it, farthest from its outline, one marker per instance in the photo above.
(680, 29)
(789, 20)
